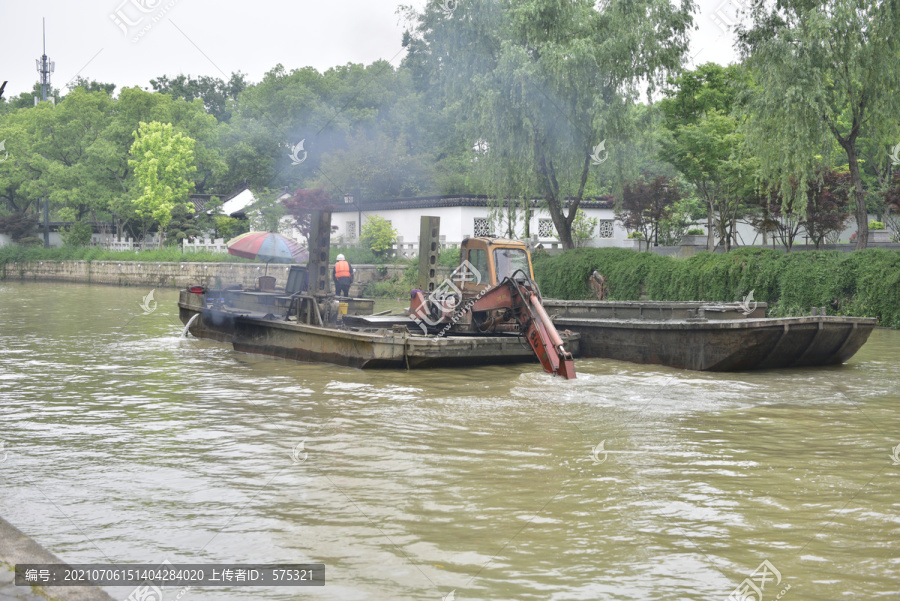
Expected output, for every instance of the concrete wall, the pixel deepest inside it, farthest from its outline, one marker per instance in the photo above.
(171, 275)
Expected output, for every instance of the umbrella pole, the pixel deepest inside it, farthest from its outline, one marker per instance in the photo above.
(267, 268)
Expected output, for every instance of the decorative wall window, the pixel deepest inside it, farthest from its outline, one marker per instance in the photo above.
(351, 230)
(482, 227)
(545, 228)
(606, 228)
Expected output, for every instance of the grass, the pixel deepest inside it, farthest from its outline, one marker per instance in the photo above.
(14, 253)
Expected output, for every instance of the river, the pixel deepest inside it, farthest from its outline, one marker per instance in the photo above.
(125, 443)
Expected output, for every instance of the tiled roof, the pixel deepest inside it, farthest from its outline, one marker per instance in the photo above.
(429, 202)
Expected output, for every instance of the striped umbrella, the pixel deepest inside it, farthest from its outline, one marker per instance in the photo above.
(269, 247)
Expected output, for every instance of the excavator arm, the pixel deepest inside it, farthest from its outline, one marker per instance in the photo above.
(522, 299)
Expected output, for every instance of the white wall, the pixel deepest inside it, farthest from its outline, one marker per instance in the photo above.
(457, 223)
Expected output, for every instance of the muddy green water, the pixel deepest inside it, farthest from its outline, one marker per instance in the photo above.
(123, 442)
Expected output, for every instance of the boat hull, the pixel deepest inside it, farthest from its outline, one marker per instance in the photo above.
(368, 348)
(664, 334)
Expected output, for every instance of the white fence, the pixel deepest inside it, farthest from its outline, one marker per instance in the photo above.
(215, 246)
(110, 242)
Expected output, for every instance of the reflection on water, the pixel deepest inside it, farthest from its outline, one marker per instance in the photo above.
(127, 443)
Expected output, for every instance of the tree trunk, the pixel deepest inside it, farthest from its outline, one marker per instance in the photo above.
(554, 204)
(710, 230)
(862, 214)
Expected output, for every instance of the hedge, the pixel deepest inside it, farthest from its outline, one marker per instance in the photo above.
(861, 283)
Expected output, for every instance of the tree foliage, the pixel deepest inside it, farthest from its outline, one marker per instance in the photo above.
(701, 138)
(163, 160)
(377, 234)
(825, 73)
(647, 203)
(546, 82)
(301, 205)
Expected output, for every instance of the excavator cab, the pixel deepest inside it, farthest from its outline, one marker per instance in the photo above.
(493, 291)
(485, 262)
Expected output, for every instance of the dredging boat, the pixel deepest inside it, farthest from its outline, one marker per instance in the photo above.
(486, 312)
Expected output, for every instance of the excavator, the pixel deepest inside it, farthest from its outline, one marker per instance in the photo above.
(491, 291)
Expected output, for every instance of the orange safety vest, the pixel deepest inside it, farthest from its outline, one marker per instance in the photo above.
(342, 269)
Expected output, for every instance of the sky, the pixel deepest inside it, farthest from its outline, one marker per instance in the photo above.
(130, 42)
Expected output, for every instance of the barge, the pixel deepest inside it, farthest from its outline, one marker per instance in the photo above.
(254, 321)
(709, 336)
(486, 312)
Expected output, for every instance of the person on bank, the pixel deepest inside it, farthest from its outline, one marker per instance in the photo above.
(343, 276)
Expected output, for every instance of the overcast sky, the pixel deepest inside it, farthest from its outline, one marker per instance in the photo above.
(129, 42)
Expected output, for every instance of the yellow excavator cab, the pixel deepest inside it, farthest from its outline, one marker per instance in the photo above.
(486, 262)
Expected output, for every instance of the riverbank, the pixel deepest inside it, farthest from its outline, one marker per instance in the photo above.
(16, 548)
(176, 274)
(863, 283)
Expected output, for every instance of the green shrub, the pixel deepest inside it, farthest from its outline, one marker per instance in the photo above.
(695, 231)
(876, 225)
(862, 283)
(377, 234)
(77, 234)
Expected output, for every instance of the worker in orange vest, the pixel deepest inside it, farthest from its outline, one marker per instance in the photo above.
(343, 276)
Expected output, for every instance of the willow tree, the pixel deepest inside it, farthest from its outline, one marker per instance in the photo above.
(546, 82)
(826, 72)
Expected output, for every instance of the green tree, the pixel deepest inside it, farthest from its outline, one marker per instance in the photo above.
(701, 138)
(265, 214)
(583, 229)
(551, 79)
(674, 226)
(825, 72)
(217, 95)
(378, 235)
(163, 160)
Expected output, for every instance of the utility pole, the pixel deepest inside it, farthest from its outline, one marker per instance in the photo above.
(45, 67)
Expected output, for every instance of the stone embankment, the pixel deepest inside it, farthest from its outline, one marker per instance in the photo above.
(171, 275)
(18, 548)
